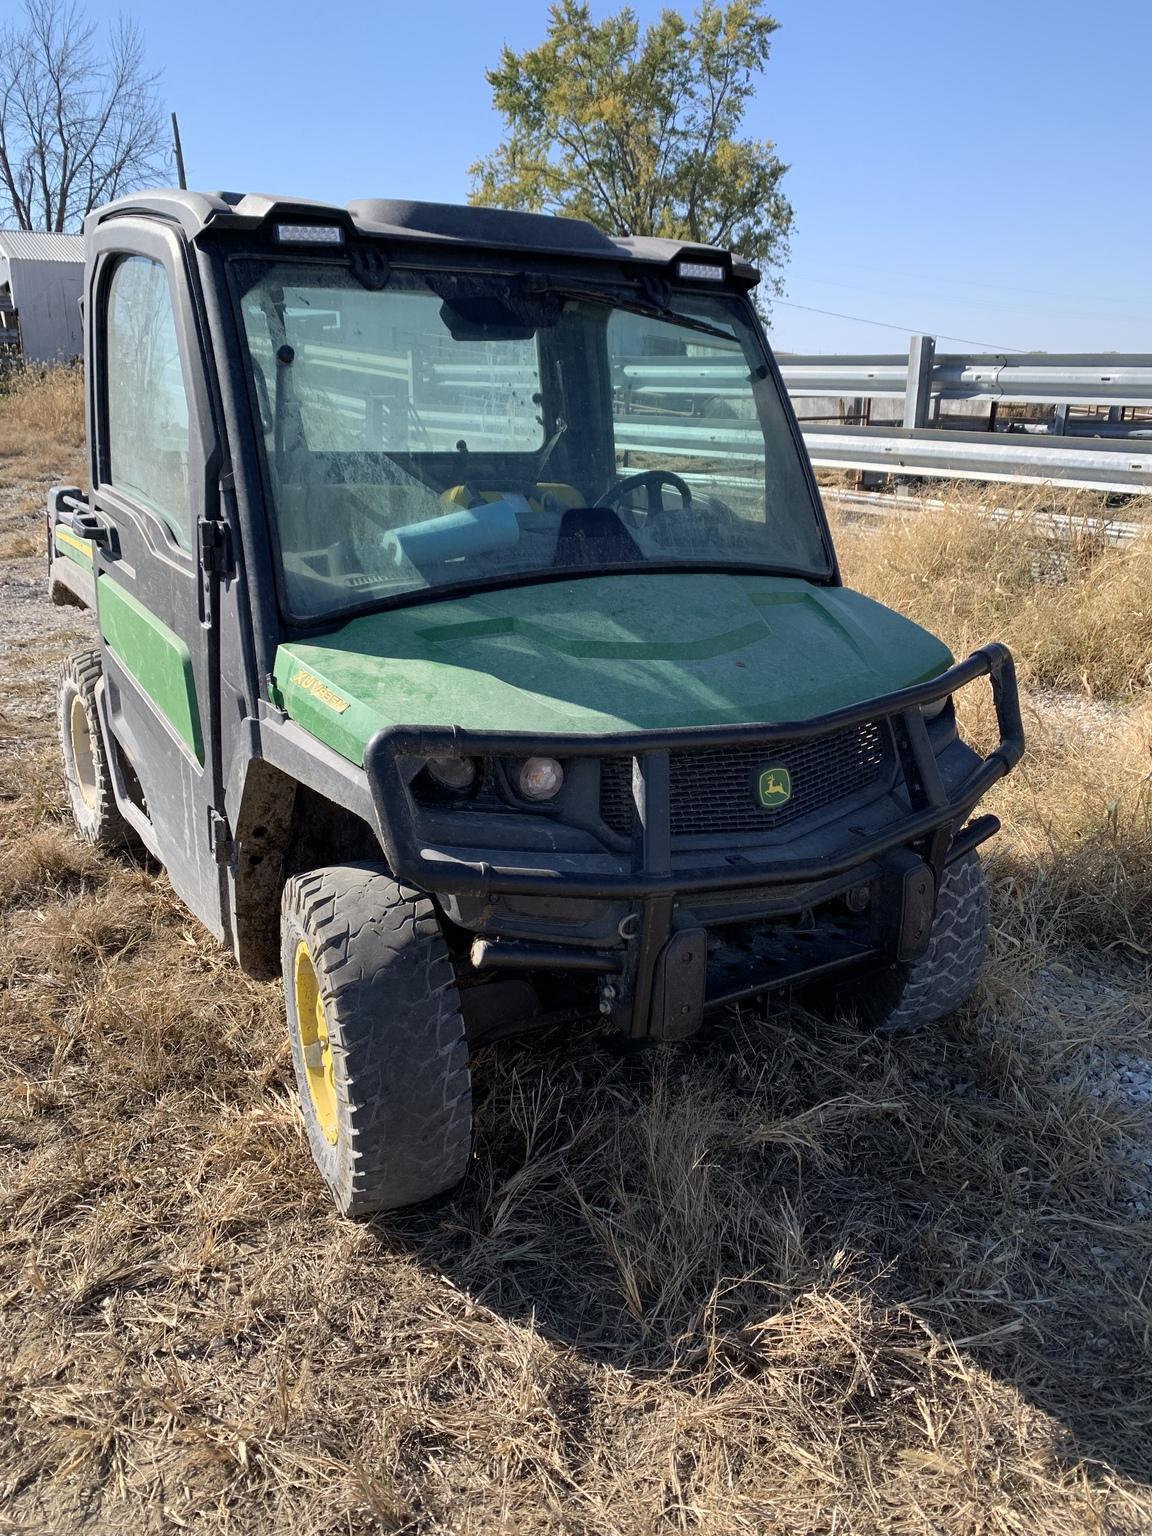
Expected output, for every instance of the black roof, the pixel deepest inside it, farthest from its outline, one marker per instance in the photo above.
(440, 223)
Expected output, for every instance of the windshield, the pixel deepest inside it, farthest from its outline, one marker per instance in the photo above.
(460, 429)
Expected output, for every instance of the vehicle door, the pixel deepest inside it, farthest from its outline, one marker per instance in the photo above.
(153, 462)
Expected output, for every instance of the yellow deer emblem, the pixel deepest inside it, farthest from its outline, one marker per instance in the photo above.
(774, 788)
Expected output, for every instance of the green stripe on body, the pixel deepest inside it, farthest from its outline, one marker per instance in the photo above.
(72, 548)
(155, 656)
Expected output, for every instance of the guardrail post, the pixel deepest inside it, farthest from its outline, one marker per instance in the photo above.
(918, 397)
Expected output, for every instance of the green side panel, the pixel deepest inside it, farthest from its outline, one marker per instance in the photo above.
(611, 653)
(156, 657)
(72, 548)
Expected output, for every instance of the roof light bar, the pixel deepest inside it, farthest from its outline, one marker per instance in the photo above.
(309, 234)
(700, 271)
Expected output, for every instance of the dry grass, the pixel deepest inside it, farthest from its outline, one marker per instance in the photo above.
(41, 442)
(789, 1278)
(1078, 614)
(45, 405)
(1076, 856)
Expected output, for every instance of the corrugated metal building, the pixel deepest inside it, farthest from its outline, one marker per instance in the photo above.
(41, 280)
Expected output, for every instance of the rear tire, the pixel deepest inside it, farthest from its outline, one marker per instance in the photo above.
(94, 810)
(377, 1036)
(905, 997)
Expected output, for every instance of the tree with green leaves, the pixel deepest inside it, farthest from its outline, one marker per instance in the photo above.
(639, 131)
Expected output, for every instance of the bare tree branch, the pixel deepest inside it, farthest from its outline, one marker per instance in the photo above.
(80, 120)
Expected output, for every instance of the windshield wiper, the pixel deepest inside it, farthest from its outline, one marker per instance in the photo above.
(649, 307)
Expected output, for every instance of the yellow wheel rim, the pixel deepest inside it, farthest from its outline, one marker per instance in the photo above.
(315, 1046)
(83, 758)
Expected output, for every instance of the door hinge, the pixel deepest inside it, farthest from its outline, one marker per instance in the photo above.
(215, 546)
(222, 845)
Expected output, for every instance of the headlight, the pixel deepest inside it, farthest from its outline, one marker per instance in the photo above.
(541, 778)
(458, 773)
(937, 707)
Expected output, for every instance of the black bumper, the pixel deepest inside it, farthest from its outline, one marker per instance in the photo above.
(393, 754)
(661, 884)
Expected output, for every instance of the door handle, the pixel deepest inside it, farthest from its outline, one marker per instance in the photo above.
(86, 525)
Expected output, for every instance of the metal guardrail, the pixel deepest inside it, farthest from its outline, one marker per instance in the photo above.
(1109, 465)
(1097, 454)
(1059, 379)
(1094, 453)
(1105, 454)
(1058, 525)
(1042, 378)
(684, 407)
(1036, 378)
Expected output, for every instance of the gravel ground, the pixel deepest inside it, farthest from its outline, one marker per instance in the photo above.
(1091, 716)
(1108, 1007)
(34, 635)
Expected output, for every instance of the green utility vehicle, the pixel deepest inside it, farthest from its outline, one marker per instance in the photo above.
(473, 651)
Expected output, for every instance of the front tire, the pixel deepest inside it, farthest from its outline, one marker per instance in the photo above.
(906, 997)
(378, 1038)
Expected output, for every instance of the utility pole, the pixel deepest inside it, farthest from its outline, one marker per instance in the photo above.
(181, 180)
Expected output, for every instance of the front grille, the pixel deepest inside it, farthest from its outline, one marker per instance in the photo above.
(714, 791)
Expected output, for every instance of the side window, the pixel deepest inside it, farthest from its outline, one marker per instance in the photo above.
(147, 406)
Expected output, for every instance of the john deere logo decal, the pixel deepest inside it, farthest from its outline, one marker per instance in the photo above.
(320, 690)
(774, 788)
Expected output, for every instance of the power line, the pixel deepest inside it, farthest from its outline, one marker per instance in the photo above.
(949, 295)
(955, 283)
(909, 330)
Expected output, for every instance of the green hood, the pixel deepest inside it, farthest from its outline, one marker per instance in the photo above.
(604, 654)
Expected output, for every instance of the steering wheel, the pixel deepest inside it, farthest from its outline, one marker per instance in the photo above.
(652, 480)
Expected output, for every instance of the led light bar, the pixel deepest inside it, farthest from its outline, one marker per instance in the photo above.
(309, 234)
(700, 271)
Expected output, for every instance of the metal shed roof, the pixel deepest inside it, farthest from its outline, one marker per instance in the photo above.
(42, 277)
(27, 245)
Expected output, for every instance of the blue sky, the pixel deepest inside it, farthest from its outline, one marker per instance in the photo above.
(978, 169)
